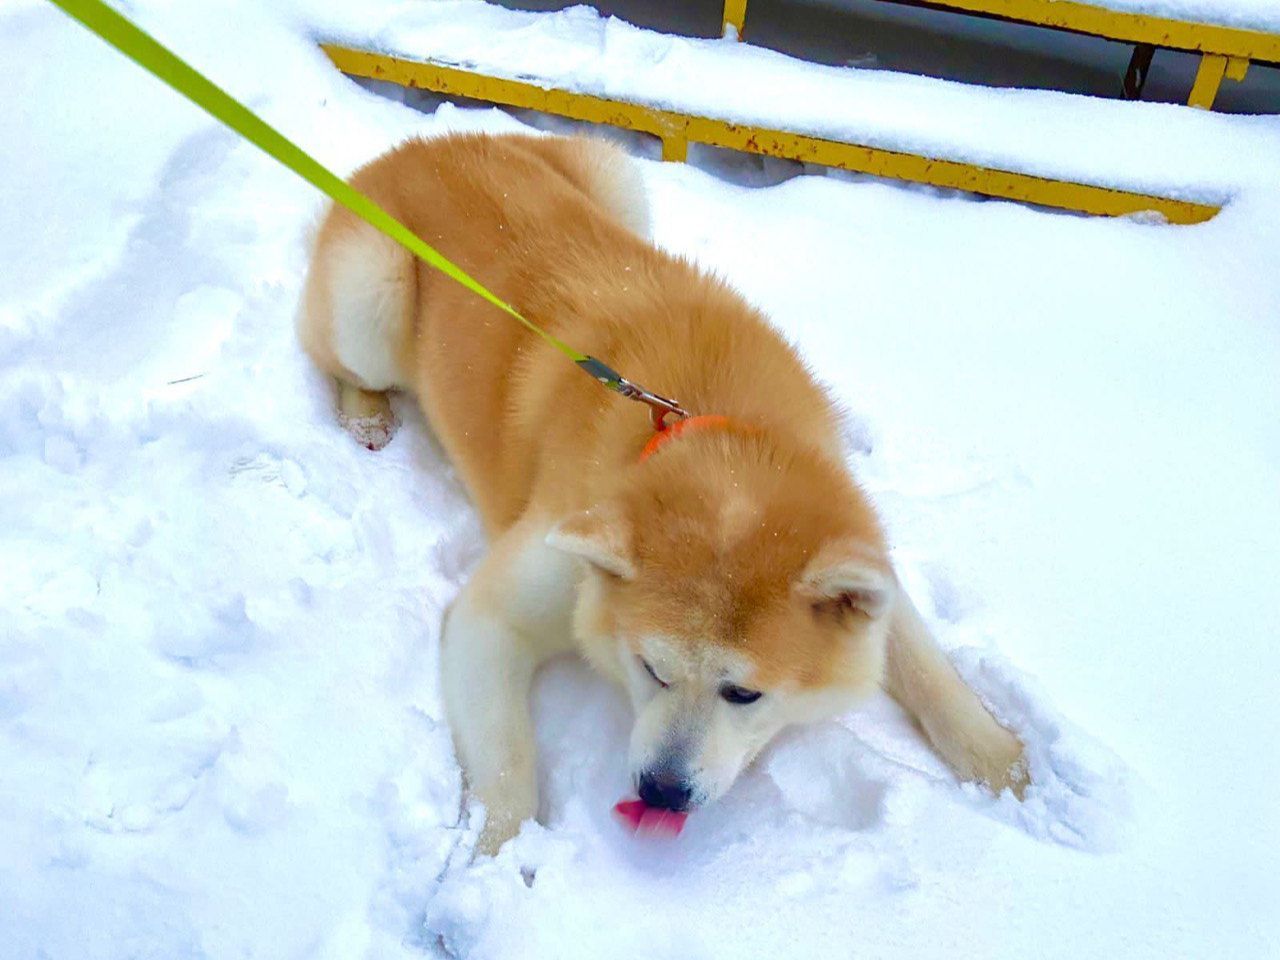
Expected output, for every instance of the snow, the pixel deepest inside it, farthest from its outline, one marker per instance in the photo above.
(874, 34)
(1109, 143)
(220, 734)
(1262, 15)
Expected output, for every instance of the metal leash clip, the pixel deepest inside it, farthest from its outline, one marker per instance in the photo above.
(659, 407)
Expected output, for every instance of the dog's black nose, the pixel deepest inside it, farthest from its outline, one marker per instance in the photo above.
(666, 791)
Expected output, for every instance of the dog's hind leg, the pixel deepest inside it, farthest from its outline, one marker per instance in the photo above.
(512, 615)
(356, 321)
(366, 415)
(921, 678)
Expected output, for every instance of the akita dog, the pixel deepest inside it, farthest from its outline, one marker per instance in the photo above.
(730, 576)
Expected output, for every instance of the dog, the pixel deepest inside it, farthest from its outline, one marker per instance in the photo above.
(729, 575)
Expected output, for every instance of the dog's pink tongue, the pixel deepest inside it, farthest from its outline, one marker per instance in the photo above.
(641, 818)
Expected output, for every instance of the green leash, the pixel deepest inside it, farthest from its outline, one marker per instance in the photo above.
(156, 58)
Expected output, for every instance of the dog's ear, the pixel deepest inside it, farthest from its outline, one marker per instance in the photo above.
(849, 577)
(601, 536)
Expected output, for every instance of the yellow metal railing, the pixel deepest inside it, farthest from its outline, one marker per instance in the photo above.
(677, 130)
(1225, 51)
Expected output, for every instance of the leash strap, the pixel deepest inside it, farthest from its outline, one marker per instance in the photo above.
(153, 56)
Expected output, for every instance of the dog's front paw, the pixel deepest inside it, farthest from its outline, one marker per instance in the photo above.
(508, 802)
(1002, 764)
(499, 827)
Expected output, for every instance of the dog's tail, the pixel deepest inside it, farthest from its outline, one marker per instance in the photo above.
(356, 319)
(355, 316)
(605, 173)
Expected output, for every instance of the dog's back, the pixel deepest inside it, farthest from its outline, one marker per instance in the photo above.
(458, 193)
(555, 226)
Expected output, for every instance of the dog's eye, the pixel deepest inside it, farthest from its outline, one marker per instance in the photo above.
(735, 694)
(649, 670)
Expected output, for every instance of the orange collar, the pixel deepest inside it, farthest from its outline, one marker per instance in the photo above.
(710, 421)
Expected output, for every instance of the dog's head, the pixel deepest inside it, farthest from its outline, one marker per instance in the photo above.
(733, 591)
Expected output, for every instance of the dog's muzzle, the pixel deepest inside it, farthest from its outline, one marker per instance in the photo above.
(666, 791)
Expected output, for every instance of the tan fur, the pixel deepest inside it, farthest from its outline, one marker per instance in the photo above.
(744, 556)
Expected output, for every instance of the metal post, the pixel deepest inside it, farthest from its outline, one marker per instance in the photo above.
(1135, 77)
(1208, 79)
(735, 17)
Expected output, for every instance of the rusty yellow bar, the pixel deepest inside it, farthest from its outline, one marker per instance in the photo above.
(735, 15)
(1131, 28)
(675, 148)
(677, 129)
(1237, 46)
(1237, 68)
(1208, 79)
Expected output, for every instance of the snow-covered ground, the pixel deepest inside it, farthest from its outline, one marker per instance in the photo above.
(942, 43)
(1093, 140)
(220, 734)
(1248, 14)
